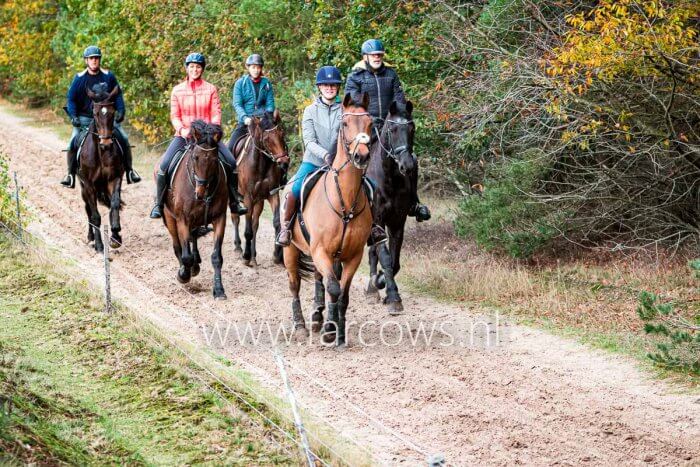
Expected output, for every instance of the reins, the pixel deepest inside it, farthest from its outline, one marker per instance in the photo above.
(196, 181)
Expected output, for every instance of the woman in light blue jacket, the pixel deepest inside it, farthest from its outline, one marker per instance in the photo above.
(320, 128)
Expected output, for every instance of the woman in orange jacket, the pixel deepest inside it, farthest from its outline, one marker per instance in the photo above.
(195, 99)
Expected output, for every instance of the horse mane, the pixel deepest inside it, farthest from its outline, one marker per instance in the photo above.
(206, 132)
(100, 89)
(267, 121)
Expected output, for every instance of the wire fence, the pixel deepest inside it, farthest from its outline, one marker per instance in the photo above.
(312, 456)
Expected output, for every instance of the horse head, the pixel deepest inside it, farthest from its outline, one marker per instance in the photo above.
(397, 136)
(205, 155)
(268, 133)
(355, 130)
(103, 111)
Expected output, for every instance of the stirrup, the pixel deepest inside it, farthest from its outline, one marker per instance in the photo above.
(376, 236)
(68, 181)
(278, 240)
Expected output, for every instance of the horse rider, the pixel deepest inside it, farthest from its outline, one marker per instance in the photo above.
(320, 128)
(371, 75)
(191, 100)
(79, 108)
(252, 95)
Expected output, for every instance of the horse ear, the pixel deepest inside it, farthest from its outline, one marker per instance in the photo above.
(218, 133)
(347, 100)
(392, 108)
(276, 116)
(409, 107)
(195, 131)
(114, 93)
(365, 100)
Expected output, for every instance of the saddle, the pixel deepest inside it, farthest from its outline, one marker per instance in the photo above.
(309, 182)
(240, 146)
(177, 159)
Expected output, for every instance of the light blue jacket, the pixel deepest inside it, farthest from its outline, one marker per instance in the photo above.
(320, 126)
(244, 102)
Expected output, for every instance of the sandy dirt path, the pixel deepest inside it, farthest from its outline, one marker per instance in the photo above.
(480, 391)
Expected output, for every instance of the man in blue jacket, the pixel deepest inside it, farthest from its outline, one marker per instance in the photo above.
(372, 76)
(79, 108)
(252, 94)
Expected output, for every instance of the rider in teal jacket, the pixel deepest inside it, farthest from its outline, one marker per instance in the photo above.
(252, 94)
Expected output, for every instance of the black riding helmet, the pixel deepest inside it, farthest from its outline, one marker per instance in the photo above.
(255, 59)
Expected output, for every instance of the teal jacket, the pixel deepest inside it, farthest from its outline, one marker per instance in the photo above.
(244, 102)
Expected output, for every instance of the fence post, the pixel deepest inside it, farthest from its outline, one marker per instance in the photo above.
(108, 290)
(310, 459)
(19, 214)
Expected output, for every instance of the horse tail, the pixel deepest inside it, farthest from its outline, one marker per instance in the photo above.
(305, 266)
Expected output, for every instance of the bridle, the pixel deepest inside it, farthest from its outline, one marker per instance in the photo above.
(102, 110)
(392, 151)
(344, 214)
(273, 157)
(196, 181)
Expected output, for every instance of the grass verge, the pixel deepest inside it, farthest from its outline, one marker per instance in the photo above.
(82, 387)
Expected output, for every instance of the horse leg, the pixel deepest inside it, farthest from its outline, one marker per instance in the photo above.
(115, 202)
(94, 219)
(319, 302)
(395, 243)
(257, 212)
(248, 236)
(217, 260)
(171, 225)
(325, 266)
(184, 274)
(346, 275)
(197, 258)
(372, 290)
(236, 221)
(291, 258)
(275, 206)
(91, 231)
(392, 299)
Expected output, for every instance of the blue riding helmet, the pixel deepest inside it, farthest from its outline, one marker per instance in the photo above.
(328, 75)
(372, 46)
(196, 57)
(92, 51)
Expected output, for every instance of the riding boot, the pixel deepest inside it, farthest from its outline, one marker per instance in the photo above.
(235, 198)
(376, 236)
(69, 180)
(284, 238)
(161, 186)
(131, 175)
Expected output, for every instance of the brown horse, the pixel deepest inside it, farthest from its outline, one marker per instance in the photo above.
(338, 219)
(101, 169)
(262, 159)
(198, 195)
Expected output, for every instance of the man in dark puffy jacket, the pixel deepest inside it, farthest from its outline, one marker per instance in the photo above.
(79, 108)
(372, 76)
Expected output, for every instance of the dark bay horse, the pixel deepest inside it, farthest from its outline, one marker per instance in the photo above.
(391, 166)
(198, 195)
(338, 219)
(101, 169)
(262, 159)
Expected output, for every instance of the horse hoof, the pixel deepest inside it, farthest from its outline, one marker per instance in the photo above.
(372, 294)
(114, 244)
(379, 281)
(301, 334)
(220, 296)
(195, 269)
(183, 278)
(99, 248)
(394, 308)
(341, 347)
(329, 337)
(316, 326)
(253, 263)
(277, 260)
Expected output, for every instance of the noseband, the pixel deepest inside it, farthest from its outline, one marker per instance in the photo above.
(273, 157)
(102, 110)
(393, 151)
(358, 139)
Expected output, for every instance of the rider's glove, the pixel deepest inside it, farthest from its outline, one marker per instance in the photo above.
(75, 121)
(247, 120)
(119, 116)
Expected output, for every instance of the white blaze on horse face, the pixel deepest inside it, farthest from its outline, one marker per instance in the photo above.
(104, 110)
(362, 138)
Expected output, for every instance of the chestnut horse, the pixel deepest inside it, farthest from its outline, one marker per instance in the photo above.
(197, 196)
(262, 159)
(338, 218)
(101, 169)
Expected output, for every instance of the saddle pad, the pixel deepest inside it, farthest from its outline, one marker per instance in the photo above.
(175, 163)
(243, 149)
(311, 179)
(82, 136)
